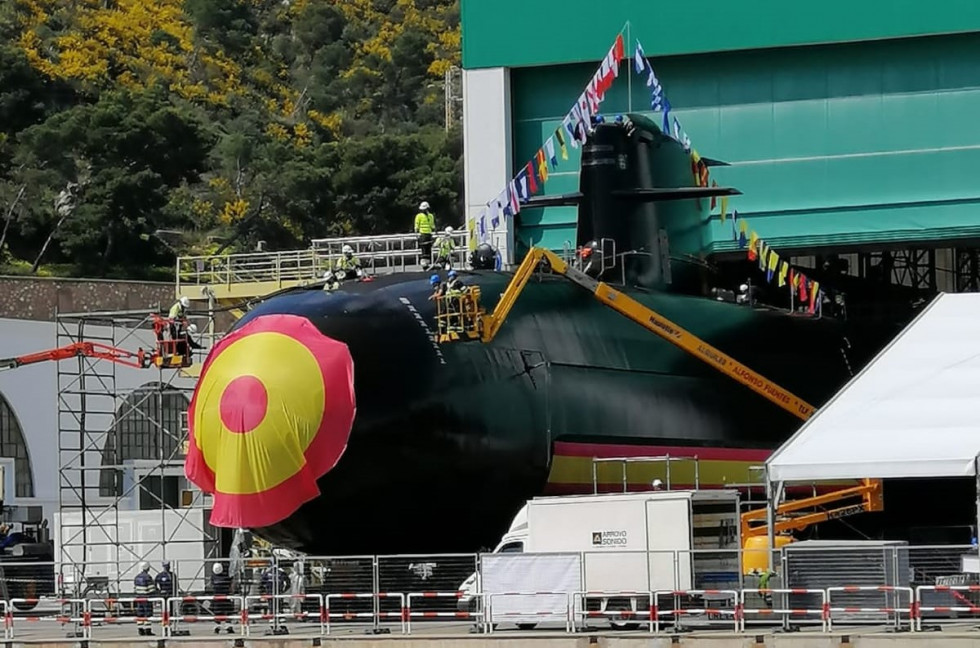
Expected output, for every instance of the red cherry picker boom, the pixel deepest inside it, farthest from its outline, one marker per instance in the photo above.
(168, 354)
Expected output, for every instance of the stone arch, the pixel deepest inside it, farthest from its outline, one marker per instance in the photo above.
(147, 425)
(13, 446)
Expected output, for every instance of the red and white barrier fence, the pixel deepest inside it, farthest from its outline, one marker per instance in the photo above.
(376, 614)
(720, 610)
(783, 607)
(643, 602)
(147, 611)
(893, 607)
(530, 617)
(959, 597)
(221, 609)
(479, 616)
(76, 613)
(281, 607)
(736, 608)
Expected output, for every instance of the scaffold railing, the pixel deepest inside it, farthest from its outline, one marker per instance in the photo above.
(382, 254)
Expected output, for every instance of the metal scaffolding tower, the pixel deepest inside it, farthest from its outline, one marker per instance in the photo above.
(122, 438)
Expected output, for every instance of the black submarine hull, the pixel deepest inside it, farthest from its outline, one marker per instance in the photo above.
(450, 440)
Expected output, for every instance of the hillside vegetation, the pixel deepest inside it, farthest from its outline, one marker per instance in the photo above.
(134, 130)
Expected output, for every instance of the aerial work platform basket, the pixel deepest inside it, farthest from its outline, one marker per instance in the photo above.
(459, 315)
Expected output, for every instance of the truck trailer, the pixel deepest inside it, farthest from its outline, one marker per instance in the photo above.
(610, 551)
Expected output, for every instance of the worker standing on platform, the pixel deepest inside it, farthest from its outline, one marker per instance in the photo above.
(178, 317)
(425, 226)
(445, 246)
(144, 588)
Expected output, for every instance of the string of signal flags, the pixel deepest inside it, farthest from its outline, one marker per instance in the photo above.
(573, 132)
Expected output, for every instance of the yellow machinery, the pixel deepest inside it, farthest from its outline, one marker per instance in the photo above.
(799, 514)
(460, 317)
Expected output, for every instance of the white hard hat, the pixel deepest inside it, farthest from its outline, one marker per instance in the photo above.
(348, 249)
(192, 328)
(424, 205)
(449, 229)
(744, 288)
(185, 302)
(144, 566)
(216, 568)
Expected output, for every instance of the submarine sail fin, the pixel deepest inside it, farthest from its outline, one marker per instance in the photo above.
(658, 194)
(682, 193)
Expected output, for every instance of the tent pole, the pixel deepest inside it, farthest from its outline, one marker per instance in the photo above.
(770, 520)
(976, 479)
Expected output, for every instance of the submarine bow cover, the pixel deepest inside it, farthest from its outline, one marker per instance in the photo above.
(272, 413)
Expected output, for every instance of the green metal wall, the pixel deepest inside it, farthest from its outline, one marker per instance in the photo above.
(517, 33)
(856, 143)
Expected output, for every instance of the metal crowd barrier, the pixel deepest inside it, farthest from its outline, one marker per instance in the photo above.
(893, 610)
(540, 615)
(734, 608)
(478, 616)
(783, 609)
(275, 603)
(650, 613)
(704, 595)
(959, 604)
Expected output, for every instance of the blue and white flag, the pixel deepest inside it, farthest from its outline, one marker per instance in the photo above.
(681, 136)
(639, 59)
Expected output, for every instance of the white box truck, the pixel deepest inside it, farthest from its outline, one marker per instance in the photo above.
(612, 543)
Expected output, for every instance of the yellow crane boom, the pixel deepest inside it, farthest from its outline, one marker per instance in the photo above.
(489, 325)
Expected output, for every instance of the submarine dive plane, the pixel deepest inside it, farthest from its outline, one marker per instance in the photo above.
(336, 423)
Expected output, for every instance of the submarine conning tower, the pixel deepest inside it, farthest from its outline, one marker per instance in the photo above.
(618, 159)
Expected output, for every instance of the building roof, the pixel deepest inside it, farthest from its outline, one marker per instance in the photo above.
(517, 33)
(914, 411)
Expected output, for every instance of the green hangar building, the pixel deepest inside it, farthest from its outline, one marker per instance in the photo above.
(851, 128)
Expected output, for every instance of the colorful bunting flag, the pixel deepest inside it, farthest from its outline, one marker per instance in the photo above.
(529, 172)
(783, 269)
(724, 208)
(542, 166)
(550, 146)
(561, 143)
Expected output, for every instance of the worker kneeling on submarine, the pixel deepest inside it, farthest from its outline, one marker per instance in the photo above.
(346, 267)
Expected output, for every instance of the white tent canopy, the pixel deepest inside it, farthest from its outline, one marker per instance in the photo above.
(914, 411)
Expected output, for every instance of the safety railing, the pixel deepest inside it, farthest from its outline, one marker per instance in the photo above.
(377, 255)
(640, 607)
(768, 605)
(72, 611)
(707, 603)
(224, 611)
(896, 602)
(145, 612)
(377, 615)
(656, 612)
(527, 619)
(946, 604)
(298, 609)
(421, 593)
(412, 610)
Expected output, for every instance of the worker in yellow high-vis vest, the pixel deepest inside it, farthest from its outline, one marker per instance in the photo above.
(425, 225)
